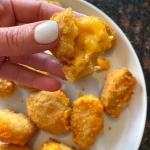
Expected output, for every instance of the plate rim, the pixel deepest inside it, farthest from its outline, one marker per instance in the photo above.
(139, 64)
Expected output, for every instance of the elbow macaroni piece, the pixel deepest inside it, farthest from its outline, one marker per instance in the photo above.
(82, 40)
(102, 64)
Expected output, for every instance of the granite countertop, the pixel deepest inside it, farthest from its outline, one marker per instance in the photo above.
(133, 17)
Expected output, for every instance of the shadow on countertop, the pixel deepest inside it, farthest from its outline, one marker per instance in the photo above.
(133, 17)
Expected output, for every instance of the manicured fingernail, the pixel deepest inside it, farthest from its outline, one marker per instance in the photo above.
(46, 32)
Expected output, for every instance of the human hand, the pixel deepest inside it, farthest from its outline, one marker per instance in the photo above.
(25, 44)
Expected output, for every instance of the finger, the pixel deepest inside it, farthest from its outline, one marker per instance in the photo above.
(39, 10)
(19, 23)
(7, 17)
(14, 72)
(29, 38)
(42, 61)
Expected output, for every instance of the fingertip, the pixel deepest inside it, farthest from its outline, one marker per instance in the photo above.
(62, 75)
(46, 35)
(78, 15)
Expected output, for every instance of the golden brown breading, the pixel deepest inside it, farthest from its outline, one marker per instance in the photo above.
(69, 31)
(52, 2)
(16, 128)
(52, 144)
(6, 88)
(86, 120)
(82, 40)
(49, 110)
(14, 147)
(117, 91)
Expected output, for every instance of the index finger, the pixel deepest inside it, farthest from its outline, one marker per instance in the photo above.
(28, 11)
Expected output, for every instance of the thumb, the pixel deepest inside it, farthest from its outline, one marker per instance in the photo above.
(29, 38)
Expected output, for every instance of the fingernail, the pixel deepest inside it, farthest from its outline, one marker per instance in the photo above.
(46, 32)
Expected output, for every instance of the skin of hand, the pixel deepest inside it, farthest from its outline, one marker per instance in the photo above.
(25, 43)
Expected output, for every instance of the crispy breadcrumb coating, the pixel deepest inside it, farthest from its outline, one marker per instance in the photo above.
(16, 128)
(6, 88)
(14, 147)
(68, 32)
(49, 110)
(82, 40)
(117, 91)
(52, 144)
(86, 120)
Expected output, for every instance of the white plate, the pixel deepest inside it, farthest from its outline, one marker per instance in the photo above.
(124, 133)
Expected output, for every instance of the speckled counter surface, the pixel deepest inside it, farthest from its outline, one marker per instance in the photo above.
(133, 17)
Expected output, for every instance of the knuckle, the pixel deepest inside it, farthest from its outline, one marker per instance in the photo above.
(15, 38)
(12, 37)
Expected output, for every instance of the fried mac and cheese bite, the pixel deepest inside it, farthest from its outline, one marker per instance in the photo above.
(49, 110)
(82, 40)
(6, 88)
(86, 120)
(14, 147)
(16, 128)
(117, 91)
(52, 144)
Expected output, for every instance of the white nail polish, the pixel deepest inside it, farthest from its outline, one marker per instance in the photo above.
(46, 32)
